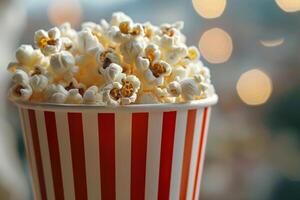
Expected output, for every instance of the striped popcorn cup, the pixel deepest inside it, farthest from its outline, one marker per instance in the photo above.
(130, 152)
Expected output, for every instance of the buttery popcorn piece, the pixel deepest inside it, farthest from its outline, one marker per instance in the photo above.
(48, 42)
(27, 58)
(38, 82)
(74, 97)
(121, 93)
(92, 96)
(111, 63)
(20, 92)
(148, 98)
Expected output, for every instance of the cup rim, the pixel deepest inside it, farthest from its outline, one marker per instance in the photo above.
(207, 102)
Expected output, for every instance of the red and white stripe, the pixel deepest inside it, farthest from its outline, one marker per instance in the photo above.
(116, 156)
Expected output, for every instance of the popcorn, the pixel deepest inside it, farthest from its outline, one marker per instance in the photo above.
(20, 77)
(121, 93)
(38, 82)
(111, 94)
(156, 72)
(150, 54)
(63, 63)
(174, 54)
(131, 49)
(190, 88)
(152, 68)
(20, 92)
(148, 98)
(55, 93)
(204, 71)
(87, 42)
(27, 58)
(74, 97)
(99, 31)
(179, 73)
(119, 17)
(116, 62)
(112, 73)
(125, 32)
(58, 98)
(171, 33)
(37, 70)
(48, 42)
(130, 86)
(163, 95)
(193, 53)
(21, 89)
(94, 28)
(105, 58)
(73, 84)
(149, 30)
(67, 32)
(174, 89)
(92, 96)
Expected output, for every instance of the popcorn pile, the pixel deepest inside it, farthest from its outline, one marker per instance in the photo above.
(115, 63)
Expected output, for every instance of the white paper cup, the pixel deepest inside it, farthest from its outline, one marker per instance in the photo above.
(130, 152)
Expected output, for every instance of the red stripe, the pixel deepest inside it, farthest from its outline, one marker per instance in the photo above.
(138, 155)
(106, 125)
(26, 139)
(37, 152)
(166, 154)
(54, 154)
(189, 137)
(200, 151)
(78, 158)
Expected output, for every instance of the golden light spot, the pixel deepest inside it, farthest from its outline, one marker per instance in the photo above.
(254, 87)
(289, 5)
(216, 45)
(209, 8)
(61, 11)
(272, 43)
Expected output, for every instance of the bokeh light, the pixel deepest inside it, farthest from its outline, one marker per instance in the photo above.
(272, 43)
(61, 11)
(254, 87)
(216, 45)
(209, 8)
(289, 5)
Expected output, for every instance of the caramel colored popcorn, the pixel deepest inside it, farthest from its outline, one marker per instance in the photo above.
(116, 62)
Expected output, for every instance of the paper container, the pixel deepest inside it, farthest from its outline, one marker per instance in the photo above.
(129, 152)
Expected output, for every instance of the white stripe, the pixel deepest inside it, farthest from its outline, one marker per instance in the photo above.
(178, 149)
(203, 154)
(65, 154)
(123, 155)
(195, 148)
(153, 154)
(30, 153)
(91, 149)
(42, 133)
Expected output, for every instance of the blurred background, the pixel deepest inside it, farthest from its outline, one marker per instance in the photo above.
(253, 50)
